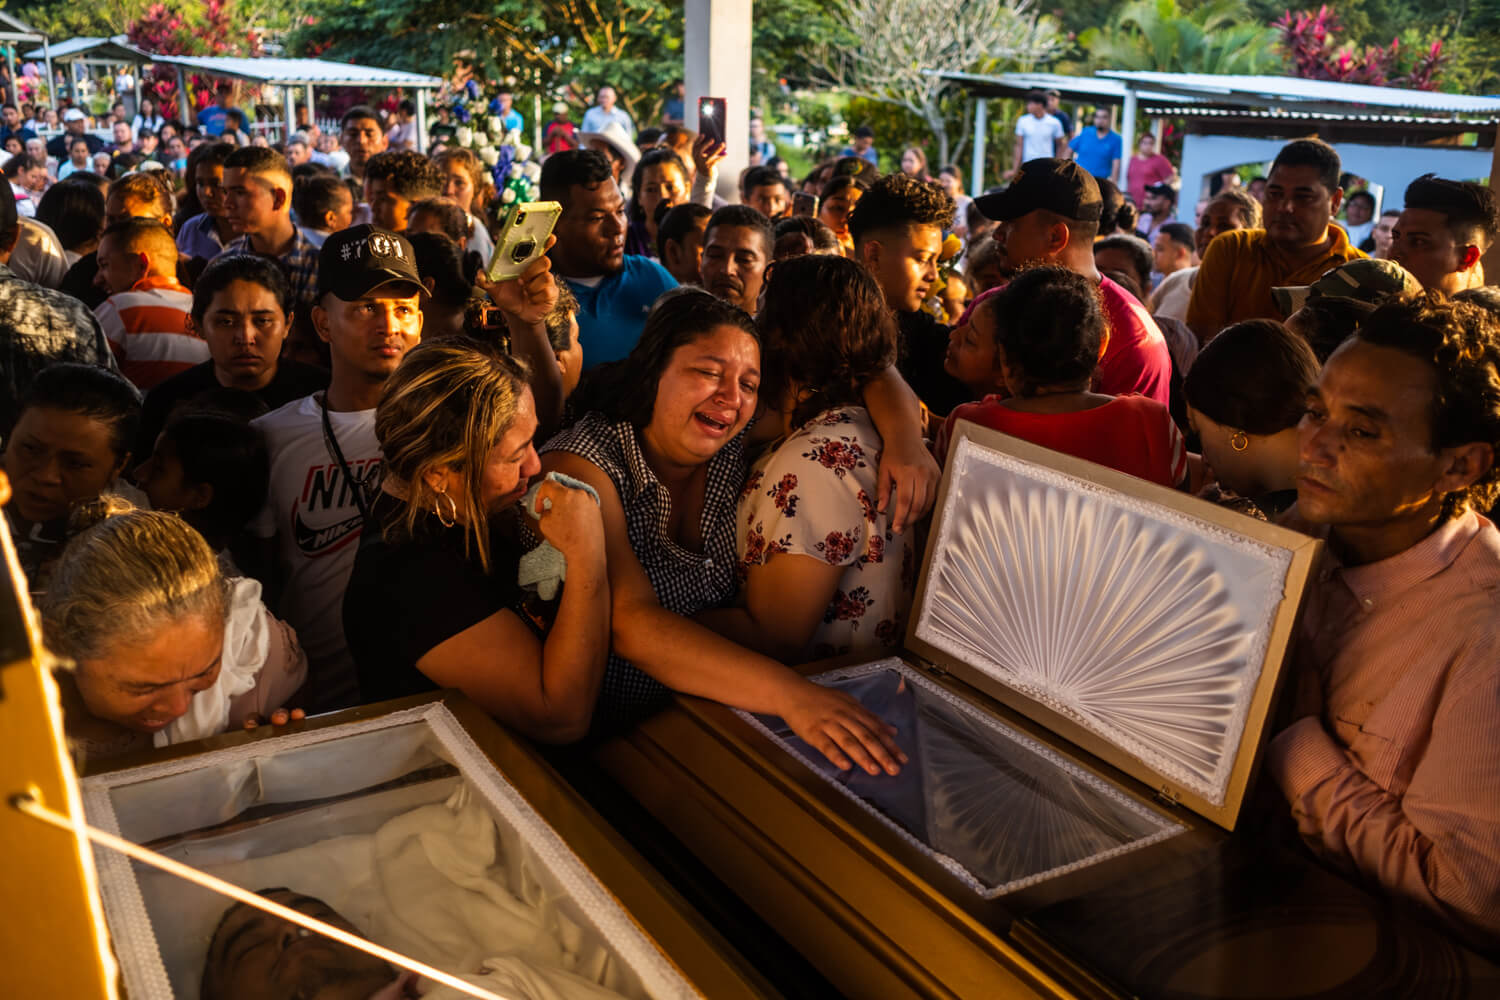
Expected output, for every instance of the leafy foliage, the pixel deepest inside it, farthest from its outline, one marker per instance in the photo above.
(890, 51)
(568, 47)
(1217, 37)
(1311, 42)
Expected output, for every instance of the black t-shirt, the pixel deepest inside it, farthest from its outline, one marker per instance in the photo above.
(293, 380)
(405, 599)
(923, 347)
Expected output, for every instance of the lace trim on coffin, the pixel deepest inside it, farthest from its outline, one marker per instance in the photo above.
(133, 934)
(1166, 827)
(1054, 575)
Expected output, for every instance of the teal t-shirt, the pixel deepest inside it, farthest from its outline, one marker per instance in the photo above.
(612, 313)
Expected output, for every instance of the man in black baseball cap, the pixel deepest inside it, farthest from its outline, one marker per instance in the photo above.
(325, 459)
(1049, 215)
(368, 310)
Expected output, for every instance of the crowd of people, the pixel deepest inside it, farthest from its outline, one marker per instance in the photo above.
(275, 440)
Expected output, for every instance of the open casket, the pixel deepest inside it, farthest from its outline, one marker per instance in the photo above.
(427, 826)
(1089, 676)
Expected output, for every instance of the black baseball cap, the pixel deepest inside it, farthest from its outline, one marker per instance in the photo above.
(356, 261)
(1059, 186)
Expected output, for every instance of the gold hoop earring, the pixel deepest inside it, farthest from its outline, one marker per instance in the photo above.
(1239, 441)
(437, 509)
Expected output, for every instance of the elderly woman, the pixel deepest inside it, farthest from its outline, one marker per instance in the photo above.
(434, 599)
(665, 453)
(166, 648)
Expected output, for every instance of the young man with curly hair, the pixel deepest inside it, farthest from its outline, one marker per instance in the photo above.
(897, 228)
(1390, 767)
(394, 181)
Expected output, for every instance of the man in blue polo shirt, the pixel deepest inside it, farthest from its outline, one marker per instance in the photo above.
(1098, 149)
(615, 290)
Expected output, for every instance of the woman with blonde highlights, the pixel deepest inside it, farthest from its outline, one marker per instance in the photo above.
(434, 599)
(165, 646)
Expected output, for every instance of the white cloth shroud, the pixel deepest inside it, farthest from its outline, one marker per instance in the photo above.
(430, 883)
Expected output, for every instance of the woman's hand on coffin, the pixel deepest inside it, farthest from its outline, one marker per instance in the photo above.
(841, 729)
(528, 298)
(280, 717)
(571, 521)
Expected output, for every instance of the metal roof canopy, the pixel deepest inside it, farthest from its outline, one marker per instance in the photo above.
(1073, 88)
(114, 49)
(13, 29)
(301, 72)
(1307, 95)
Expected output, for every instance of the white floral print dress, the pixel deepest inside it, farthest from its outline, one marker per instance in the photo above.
(815, 495)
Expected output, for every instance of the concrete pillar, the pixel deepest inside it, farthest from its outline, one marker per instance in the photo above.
(422, 119)
(1127, 137)
(716, 44)
(288, 111)
(981, 137)
(184, 108)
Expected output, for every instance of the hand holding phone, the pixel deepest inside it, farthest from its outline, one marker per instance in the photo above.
(805, 204)
(523, 239)
(711, 112)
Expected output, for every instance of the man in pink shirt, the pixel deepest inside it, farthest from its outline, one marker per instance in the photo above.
(1050, 215)
(1391, 767)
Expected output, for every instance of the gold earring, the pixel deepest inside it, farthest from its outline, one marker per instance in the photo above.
(1239, 441)
(437, 509)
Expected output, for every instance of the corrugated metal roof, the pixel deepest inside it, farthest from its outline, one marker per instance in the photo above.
(1265, 91)
(12, 26)
(115, 47)
(299, 72)
(1198, 111)
(1071, 87)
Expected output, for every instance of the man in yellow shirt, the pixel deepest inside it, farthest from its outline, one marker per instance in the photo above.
(1297, 246)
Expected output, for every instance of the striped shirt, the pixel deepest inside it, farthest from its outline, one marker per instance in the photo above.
(1398, 777)
(147, 329)
(685, 582)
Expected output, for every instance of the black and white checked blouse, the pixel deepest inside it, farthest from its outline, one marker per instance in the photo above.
(685, 582)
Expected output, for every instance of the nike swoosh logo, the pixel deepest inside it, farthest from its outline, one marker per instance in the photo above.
(317, 542)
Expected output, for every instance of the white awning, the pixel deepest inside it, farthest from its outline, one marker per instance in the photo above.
(300, 72)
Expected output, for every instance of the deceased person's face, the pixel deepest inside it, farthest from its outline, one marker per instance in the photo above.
(256, 956)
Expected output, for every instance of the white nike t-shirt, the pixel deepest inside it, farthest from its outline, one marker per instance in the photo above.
(311, 512)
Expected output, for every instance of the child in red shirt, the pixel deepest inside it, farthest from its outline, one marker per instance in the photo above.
(1049, 331)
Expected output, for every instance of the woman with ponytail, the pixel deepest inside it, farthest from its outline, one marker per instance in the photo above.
(823, 573)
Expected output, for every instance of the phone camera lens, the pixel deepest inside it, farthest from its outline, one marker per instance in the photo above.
(523, 250)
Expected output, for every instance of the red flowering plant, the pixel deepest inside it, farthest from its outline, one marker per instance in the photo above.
(207, 29)
(1310, 41)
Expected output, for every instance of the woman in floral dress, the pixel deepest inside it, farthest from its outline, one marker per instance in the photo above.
(822, 572)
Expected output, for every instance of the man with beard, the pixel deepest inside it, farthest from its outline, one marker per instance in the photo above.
(1389, 768)
(736, 250)
(615, 290)
(361, 137)
(1050, 214)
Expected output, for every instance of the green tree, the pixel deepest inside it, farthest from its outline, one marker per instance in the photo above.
(569, 46)
(1220, 36)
